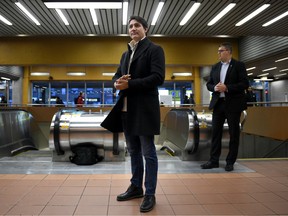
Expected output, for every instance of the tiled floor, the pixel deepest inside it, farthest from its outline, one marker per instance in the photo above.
(256, 187)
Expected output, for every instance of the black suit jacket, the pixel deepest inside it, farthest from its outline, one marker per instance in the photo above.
(236, 81)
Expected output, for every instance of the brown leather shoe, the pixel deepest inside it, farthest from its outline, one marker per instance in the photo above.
(131, 193)
(148, 203)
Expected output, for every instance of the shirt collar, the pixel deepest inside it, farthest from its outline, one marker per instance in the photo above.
(133, 45)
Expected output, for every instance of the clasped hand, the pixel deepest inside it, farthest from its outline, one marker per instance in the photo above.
(122, 82)
(221, 87)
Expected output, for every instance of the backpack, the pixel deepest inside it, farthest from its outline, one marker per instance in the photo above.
(85, 154)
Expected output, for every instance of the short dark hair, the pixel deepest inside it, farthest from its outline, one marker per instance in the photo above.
(140, 20)
(227, 46)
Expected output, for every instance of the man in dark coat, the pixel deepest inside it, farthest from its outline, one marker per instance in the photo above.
(141, 71)
(227, 82)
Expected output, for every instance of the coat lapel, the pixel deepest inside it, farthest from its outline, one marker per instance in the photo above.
(229, 70)
(142, 46)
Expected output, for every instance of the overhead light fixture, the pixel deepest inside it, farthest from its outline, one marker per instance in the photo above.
(269, 69)
(157, 13)
(252, 68)
(279, 75)
(263, 79)
(265, 74)
(190, 13)
(286, 69)
(22, 8)
(250, 74)
(275, 19)
(282, 59)
(3, 19)
(221, 14)
(125, 13)
(39, 74)
(253, 14)
(108, 74)
(93, 15)
(76, 73)
(84, 5)
(63, 18)
(5, 78)
(182, 74)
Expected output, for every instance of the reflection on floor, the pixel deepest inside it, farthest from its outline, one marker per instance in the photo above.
(40, 162)
(31, 184)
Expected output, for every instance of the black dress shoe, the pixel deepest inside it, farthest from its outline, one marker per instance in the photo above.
(131, 193)
(229, 167)
(209, 165)
(148, 203)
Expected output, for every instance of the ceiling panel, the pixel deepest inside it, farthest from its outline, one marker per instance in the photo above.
(110, 20)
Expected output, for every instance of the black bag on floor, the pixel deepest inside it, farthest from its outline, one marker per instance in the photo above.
(85, 154)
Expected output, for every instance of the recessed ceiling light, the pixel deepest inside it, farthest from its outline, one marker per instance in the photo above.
(282, 59)
(76, 73)
(252, 68)
(63, 18)
(125, 13)
(221, 14)
(275, 19)
(279, 75)
(182, 74)
(253, 14)
(24, 10)
(84, 5)
(3, 19)
(190, 13)
(157, 13)
(269, 69)
(39, 74)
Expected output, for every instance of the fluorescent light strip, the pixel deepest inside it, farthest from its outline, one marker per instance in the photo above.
(221, 14)
(268, 69)
(84, 5)
(76, 73)
(39, 74)
(275, 19)
(190, 13)
(22, 8)
(5, 78)
(286, 69)
(283, 59)
(3, 19)
(125, 13)
(278, 75)
(182, 74)
(253, 14)
(63, 18)
(252, 68)
(265, 74)
(250, 74)
(263, 79)
(108, 74)
(157, 13)
(93, 15)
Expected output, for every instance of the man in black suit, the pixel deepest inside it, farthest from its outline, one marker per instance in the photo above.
(227, 82)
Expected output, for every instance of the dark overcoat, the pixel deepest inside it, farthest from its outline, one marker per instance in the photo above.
(236, 81)
(147, 72)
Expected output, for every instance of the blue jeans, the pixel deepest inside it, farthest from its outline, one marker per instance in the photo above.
(139, 146)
